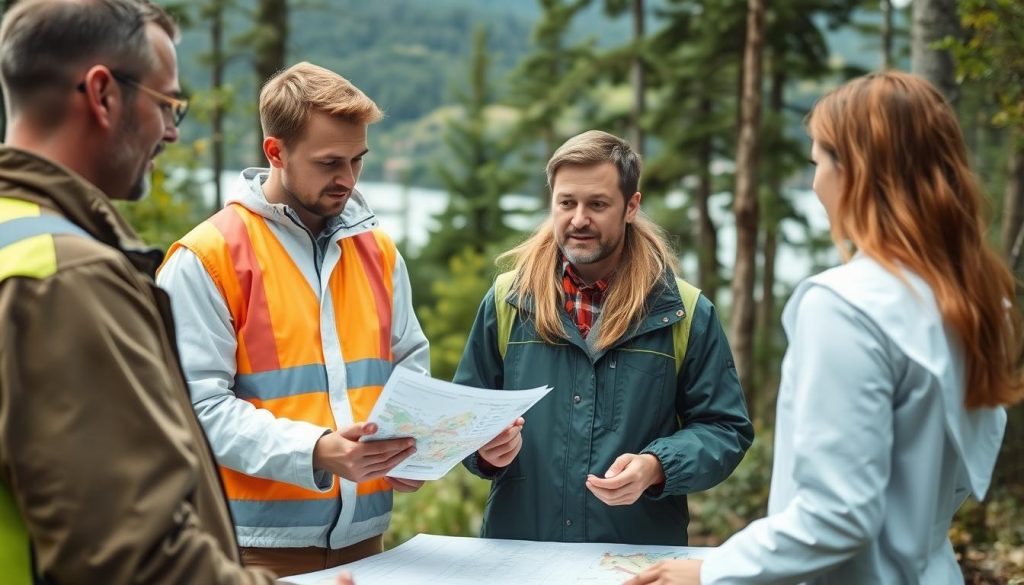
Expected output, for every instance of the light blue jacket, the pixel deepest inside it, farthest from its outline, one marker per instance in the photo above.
(874, 450)
(252, 440)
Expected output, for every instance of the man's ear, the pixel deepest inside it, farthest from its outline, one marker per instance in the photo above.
(103, 98)
(632, 207)
(273, 149)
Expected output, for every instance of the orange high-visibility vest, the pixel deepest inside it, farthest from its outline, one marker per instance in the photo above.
(281, 365)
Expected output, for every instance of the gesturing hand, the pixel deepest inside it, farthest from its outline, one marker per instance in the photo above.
(501, 450)
(627, 478)
(681, 572)
(341, 453)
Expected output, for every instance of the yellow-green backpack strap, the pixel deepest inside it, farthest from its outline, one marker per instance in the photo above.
(15, 547)
(506, 312)
(681, 330)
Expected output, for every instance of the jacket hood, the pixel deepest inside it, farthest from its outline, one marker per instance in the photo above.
(355, 219)
(912, 321)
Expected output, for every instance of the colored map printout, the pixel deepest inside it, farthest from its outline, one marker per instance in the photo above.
(450, 560)
(447, 420)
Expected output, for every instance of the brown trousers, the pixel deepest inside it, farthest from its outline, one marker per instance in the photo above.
(294, 561)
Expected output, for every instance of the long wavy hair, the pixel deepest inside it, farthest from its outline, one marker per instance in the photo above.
(909, 199)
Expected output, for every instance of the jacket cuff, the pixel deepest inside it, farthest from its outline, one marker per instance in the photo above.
(309, 478)
(472, 463)
(672, 467)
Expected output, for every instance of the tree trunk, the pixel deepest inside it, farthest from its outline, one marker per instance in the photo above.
(933, 21)
(886, 34)
(707, 234)
(216, 16)
(1013, 199)
(745, 205)
(766, 327)
(639, 104)
(271, 47)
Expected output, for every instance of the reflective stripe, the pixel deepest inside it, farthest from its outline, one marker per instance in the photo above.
(372, 259)
(281, 383)
(258, 332)
(23, 228)
(281, 513)
(306, 379)
(372, 505)
(368, 373)
(26, 240)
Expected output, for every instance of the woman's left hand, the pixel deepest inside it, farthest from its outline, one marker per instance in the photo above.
(686, 572)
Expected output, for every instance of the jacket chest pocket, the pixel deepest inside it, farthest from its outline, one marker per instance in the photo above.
(631, 384)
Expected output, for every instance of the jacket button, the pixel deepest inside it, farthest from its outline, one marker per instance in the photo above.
(680, 313)
(577, 398)
(664, 319)
(568, 522)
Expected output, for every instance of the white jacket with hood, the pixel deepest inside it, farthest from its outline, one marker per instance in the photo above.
(249, 439)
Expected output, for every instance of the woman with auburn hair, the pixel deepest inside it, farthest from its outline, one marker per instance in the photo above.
(900, 360)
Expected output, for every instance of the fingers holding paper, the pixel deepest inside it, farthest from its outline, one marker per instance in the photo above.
(627, 478)
(343, 454)
(502, 450)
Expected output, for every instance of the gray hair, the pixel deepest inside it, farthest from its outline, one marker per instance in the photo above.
(44, 44)
(595, 147)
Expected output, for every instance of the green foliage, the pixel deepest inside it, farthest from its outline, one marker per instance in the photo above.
(549, 83)
(718, 513)
(448, 320)
(993, 55)
(452, 506)
(476, 172)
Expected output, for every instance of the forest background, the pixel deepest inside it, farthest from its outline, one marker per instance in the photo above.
(479, 93)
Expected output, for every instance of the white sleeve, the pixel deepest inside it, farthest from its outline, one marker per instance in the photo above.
(408, 344)
(244, 438)
(842, 449)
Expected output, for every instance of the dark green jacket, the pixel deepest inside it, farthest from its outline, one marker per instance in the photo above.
(627, 399)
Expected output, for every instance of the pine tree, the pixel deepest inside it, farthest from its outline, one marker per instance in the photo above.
(476, 172)
(695, 61)
(548, 82)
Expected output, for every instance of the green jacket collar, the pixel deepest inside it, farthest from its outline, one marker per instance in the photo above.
(664, 308)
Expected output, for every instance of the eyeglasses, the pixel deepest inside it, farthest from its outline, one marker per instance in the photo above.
(176, 106)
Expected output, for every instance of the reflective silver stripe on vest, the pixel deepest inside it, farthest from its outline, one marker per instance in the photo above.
(310, 378)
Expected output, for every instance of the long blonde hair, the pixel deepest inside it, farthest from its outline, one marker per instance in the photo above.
(908, 197)
(646, 257)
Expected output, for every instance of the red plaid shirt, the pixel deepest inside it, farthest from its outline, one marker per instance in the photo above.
(582, 300)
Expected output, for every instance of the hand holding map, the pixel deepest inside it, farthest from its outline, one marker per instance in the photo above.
(448, 421)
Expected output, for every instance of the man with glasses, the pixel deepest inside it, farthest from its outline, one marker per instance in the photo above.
(105, 475)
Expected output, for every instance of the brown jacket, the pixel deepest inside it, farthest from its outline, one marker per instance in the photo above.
(98, 441)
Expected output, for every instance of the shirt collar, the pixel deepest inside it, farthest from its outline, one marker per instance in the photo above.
(569, 270)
